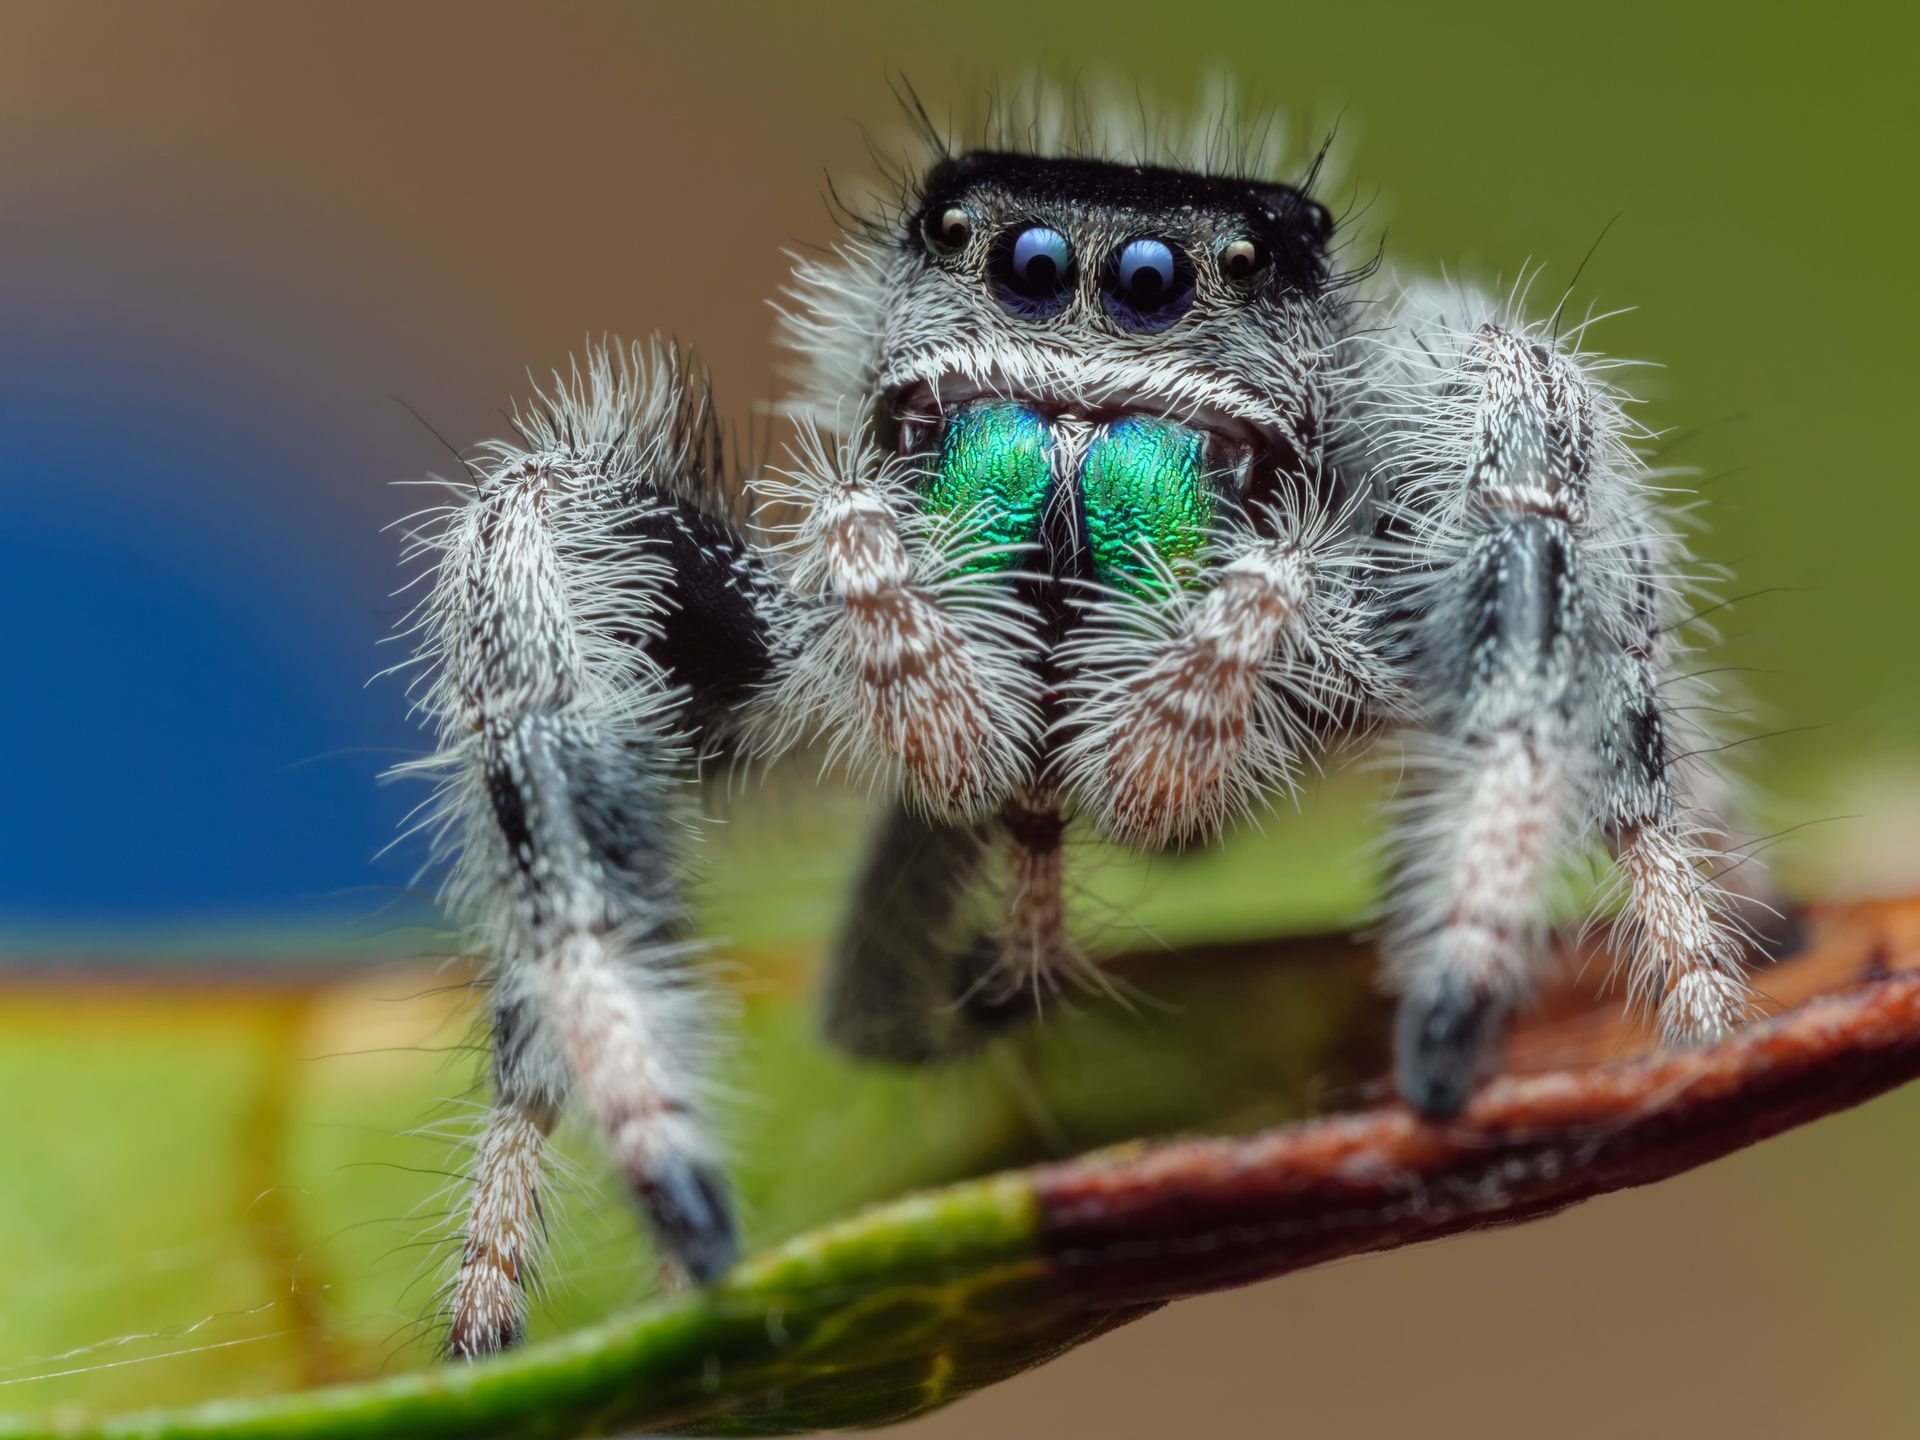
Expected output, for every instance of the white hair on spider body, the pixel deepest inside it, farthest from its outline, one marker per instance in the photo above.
(842, 314)
(868, 323)
(1102, 117)
(1481, 828)
(1425, 511)
(1106, 117)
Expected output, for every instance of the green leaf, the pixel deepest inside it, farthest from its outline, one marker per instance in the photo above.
(237, 1183)
(912, 1304)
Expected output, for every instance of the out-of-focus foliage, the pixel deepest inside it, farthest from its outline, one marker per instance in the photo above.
(239, 1183)
(906, 1307)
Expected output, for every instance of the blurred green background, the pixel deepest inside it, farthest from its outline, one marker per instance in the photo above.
(242, 243)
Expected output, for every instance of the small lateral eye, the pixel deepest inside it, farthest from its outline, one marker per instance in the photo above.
(949, 229)
(1242, 259)
(1034, 270)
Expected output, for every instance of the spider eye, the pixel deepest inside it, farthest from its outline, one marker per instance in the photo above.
(1035, 271)
(1148, 284)
(1144, 269)
(1242, 259)
(948, 230)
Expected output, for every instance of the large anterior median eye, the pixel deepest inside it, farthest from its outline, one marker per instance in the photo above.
(991, 478)
(1147, 284)
(1145, 483)
(1034, 271)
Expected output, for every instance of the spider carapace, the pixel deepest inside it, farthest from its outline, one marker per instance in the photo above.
(1112, 497)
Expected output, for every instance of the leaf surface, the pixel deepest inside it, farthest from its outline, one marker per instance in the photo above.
(911, 1303)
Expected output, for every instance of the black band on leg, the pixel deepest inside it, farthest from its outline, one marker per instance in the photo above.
(716, 633)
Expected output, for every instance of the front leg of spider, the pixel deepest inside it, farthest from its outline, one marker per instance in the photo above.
(594, 623)
(1534, 604)
(599, 625)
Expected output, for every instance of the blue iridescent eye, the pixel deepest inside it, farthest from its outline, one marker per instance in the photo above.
(1148, 284)
(1034, 270)
(1040, 257)
(1145, 268)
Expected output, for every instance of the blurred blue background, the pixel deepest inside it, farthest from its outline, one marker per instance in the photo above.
(193, 737)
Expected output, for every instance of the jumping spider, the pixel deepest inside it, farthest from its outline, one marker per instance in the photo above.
(1111, 496)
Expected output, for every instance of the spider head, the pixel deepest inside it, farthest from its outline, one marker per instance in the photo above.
(1092, 251)
(1131, 346)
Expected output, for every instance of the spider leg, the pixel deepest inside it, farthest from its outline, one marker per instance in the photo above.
(917, 975)
(898, 969)
(1684, 929)
(1036, 953)
(486, 1311)
(1538, 578)
(594, 619)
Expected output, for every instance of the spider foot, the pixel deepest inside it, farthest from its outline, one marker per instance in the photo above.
(691, 1211)
(1446, 1037)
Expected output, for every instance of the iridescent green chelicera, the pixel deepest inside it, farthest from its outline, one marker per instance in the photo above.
(1145, 484)
(993, 473)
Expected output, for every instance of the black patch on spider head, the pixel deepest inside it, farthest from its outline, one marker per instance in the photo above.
(998, 191)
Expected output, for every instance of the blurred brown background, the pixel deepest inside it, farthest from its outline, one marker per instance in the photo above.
(277, 218)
